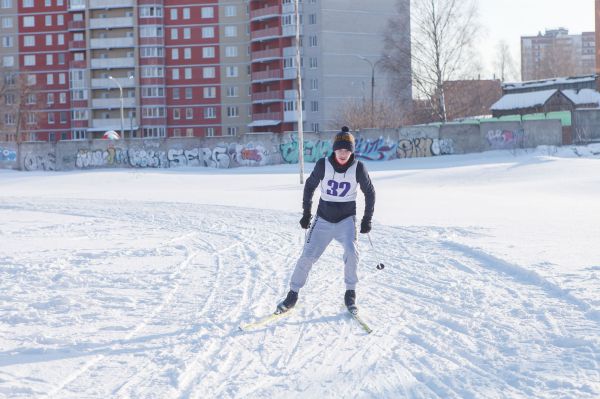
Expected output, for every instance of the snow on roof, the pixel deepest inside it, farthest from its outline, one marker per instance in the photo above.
(523, 100)
(583, 96)
(548, 82)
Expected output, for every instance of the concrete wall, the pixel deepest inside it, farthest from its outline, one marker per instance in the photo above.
(271, 149)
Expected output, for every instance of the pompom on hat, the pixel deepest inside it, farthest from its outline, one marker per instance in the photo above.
(344, 140)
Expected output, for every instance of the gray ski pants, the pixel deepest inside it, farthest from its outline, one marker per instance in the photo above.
(319, 236)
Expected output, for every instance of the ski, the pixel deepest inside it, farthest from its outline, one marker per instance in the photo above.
(361, 322)
(263, 321)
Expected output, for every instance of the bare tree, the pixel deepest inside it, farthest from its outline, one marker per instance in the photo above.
(443, 36)
(505, 63)
(356, 114)
(557, 59)
(20, 104)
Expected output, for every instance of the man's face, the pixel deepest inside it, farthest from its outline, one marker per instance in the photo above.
(342, 156)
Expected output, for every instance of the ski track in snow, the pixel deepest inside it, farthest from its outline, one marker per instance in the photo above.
(144, 300)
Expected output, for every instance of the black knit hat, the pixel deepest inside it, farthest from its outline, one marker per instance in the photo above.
(344, 140)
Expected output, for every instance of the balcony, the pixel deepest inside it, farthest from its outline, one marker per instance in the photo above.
(116, 42)
(112, 124)
(265, 55)
(77, 45)
(76, 25)
(265, 119)
(290, 30)
(267, 96)
(290, 73)
(76, 5)
(113, 103)
(108, 63)
(265, 34)
(266, 75)
(107, 23)
(106, 83)
(106, 4)
(289, 8)
(264, 13)
(80, 64)
(290, 116)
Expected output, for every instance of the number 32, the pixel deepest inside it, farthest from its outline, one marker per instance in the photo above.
(344, 187)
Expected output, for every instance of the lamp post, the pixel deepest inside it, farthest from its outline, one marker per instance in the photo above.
(121, 96)
(373, 66)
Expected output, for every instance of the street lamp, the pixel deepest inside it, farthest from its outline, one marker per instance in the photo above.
(121, 96)
(373, 66)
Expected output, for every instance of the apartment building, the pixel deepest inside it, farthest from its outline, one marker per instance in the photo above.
(556, 53)
(183, 68)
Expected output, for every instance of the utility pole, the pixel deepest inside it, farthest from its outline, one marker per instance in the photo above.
(299, 95)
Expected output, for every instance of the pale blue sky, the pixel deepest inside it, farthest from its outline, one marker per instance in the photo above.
(511, 19)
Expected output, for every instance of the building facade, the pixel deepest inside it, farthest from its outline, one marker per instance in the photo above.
(74, 69)
(556, 53)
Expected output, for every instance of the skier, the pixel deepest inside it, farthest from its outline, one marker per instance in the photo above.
(338, 176)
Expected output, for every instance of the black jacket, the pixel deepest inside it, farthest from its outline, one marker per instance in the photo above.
(334, 212)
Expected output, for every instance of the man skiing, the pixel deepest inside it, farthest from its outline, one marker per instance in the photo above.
(338, 176)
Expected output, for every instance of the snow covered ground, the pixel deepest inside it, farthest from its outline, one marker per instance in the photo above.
(132, 283)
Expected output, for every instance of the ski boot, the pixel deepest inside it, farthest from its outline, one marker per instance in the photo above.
(288, 303)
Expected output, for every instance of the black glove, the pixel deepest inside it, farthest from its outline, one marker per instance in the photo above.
(305, 221)
(365, 225)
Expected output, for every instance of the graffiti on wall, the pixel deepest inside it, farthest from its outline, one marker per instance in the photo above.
(424, 147)
(7, 155)
(39, 162)
(222, 156)
(502, 139)
(313, 150)
(374, 150)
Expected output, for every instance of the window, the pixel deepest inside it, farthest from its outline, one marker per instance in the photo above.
(233, 112)
(50, 117)
(78, 135)
(61, 79)
(187, 33)
(314, 106)
(48, 20)
(176, 93)
(50, 79)
(208, 52)
(151, 11)
(232, 131)
(210, 132)
(7, 22)
(207, 12)
(176, 113)
(232, 91)
(188, 73)
(27, 3)
(230, 31)
(29, 60)
(175, 73)
(177, 132)
(312, 41)
(313, 62)
(314, 84)
(208, 72)
(154, 132)
(8, 61)
(210, 92)
(187, 53)
(63, 117)
(189, 113)
(60, 20)
(312, 19)
(28, 22)
(49, 59)
(186, 13)
(153, 72)
(189, 132)
(188, 93)
(31, 80)
(208, 32)
(50, 98)
(175, 54)
(230, 11)
(231, 71)
(62, 98)
(61, 39)
(231, 51)
(153, 92)
(31, 99)
(174, 34)
(151, 31)
(147, 52)
(79, 114)
(7, 41)
(314, 127)
(173, 14)
(153, 112)
(210, 113)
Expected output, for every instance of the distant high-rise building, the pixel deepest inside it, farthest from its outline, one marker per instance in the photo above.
(181, 68)
(556, 53)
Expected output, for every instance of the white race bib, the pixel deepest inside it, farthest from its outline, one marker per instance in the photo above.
(339, 187)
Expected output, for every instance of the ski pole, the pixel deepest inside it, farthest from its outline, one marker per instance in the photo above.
(380, 265)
